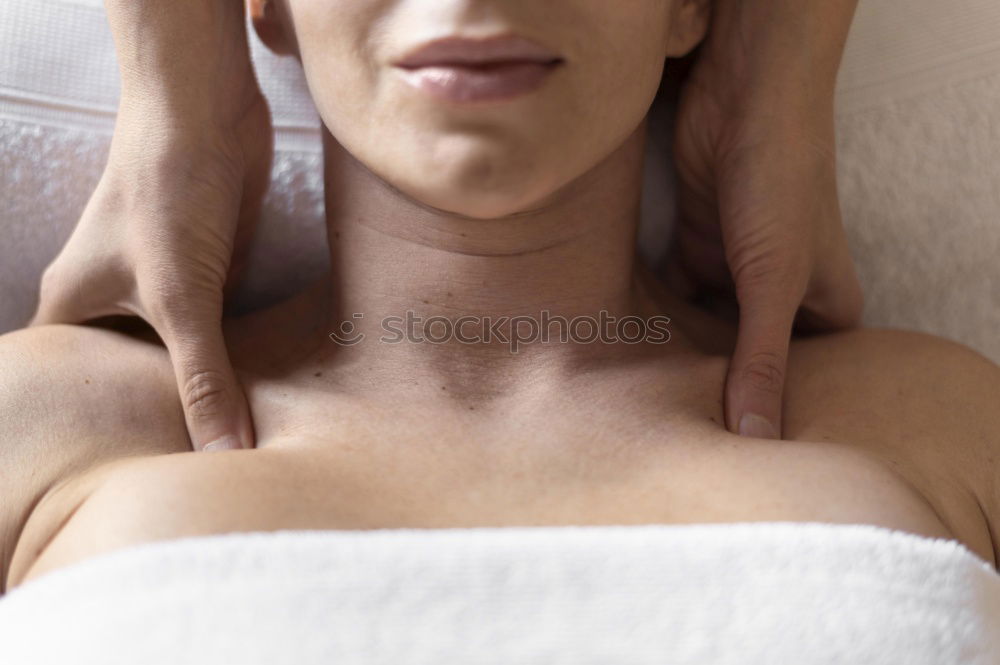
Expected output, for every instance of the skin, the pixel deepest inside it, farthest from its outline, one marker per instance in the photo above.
(754, 125)
(759, 217)
(484, 213)
(168, 227)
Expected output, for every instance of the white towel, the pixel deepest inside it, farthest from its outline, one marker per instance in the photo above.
(708, 594)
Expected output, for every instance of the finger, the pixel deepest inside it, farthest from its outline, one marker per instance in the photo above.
(756, 380)
(695, 268)
(215, 407)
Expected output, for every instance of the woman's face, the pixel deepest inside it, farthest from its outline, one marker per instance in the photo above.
(484, 159)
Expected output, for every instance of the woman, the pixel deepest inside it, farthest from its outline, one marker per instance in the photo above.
(465, 195)
(756, 191)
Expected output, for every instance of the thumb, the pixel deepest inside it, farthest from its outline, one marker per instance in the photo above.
(215, 407)
(72, 291)
(756, 380)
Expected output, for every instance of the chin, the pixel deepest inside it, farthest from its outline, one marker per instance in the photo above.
(480, 186)
(478, 202)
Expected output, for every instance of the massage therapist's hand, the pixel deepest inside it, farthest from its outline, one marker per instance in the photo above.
(188, 168)
(759, 212)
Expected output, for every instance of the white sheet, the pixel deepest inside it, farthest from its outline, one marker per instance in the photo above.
(747, 594)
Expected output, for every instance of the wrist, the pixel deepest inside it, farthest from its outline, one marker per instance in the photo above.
(190, 114)
(191, 56)
(762, 52)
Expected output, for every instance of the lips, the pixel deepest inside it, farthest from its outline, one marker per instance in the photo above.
(458, 51)
(463, 70)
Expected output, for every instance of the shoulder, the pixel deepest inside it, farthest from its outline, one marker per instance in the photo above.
(918, 400)
(73, 397)
(896, 382)
(85, 381)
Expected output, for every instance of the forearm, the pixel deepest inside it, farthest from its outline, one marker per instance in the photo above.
(780, 49)
(188, 58)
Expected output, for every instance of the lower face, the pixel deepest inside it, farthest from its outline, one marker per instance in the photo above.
(481, 142)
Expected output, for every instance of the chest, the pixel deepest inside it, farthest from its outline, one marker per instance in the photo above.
(602, 457)
(592, 454)
(303, 483)
(718, 479)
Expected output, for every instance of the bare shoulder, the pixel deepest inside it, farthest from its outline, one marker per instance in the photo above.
(875, 383)
(87, 382)
(918, 399)
(71, 398)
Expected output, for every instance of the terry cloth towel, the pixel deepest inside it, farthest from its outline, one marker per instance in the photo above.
(704, 594)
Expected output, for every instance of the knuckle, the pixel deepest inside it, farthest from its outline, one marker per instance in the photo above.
(766, 260)
(205, 394)
(769, 271)
(160, 312)
(777, 290)
(177, 294)
(764, 372)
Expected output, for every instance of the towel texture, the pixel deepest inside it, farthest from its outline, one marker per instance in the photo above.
(746, 593)
(918, 125)
(919, 143)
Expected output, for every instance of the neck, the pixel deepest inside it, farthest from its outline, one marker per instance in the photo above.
(397, 263)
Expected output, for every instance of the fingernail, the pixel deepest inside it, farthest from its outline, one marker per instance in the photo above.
(227, 442)
(757, 427)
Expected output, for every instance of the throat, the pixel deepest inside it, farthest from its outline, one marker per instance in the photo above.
(481, 306)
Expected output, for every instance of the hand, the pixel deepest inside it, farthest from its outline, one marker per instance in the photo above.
(171, 218)
(760, 219)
